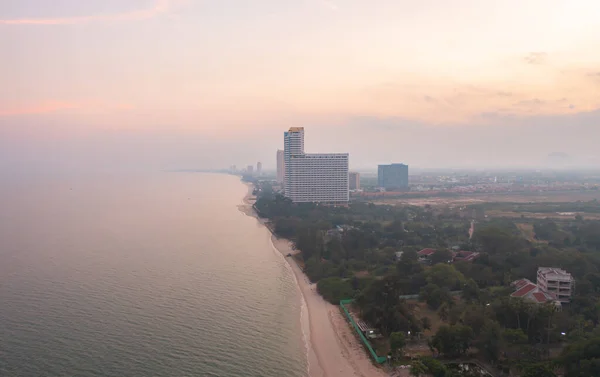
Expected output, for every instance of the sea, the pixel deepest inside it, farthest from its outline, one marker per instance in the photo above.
(142, 275)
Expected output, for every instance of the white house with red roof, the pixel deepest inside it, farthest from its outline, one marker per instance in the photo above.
(529, 291)
(425, 255)
(464, 256)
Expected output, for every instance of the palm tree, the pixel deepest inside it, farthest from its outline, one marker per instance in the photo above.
(517, 305)
(532, 312)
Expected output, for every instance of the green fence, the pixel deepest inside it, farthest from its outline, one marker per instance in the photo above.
(378, 359)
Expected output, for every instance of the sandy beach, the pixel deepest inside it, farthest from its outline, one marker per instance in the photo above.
(333, 349)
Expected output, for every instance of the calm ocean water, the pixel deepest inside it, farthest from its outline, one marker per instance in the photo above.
(156, 275)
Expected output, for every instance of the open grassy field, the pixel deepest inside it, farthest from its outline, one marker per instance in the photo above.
(422, 310)
(516, 197)
(541, 215)
(527, 230)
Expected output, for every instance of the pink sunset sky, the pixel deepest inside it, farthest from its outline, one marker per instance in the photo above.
(206, 84)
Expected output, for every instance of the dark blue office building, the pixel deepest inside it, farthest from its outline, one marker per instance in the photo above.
(393, 176)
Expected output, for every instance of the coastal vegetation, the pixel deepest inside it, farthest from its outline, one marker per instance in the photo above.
(453, 310)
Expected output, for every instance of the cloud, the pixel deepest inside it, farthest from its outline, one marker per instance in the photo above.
(160, 6)
(595, 76)
(39, 108)
(530, 102)
(331, 5)
(58, 106)
(499, 140)
(443, 100)
(536, 58)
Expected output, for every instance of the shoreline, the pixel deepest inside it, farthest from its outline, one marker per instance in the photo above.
(333, 348)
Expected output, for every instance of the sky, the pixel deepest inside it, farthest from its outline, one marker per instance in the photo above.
(169, 84)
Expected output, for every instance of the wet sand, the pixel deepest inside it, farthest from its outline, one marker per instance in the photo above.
(333, 348)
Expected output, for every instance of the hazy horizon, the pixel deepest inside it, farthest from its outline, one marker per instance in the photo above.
(181, 84)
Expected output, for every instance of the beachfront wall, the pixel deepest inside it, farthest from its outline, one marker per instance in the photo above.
(378, 359)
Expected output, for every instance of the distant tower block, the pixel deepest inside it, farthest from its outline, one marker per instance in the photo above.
(280, 166)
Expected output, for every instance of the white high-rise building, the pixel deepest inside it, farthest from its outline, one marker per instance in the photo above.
(313, 177)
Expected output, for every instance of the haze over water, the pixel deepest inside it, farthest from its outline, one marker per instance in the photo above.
(155, 275)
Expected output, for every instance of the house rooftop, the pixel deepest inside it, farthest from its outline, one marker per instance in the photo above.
(426, 252)
(551, 272)
(527, 290)
(540, 297)
(363, 326)
(524, 290)
(467, 256)
(518, 284)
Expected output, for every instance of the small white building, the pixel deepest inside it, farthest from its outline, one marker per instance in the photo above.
(556, 281)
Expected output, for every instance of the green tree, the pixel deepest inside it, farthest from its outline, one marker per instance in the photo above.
(547, 230)
(455, 313)
(380, 305)
(594, 279)
(334, 251)
(475, 317)
(470, 291)
(418, 369)
(452, 340)
(517, 306)
(434, 367)
(408, 264)
(308, 242)
(397, 343)
(490, 340)
(434, 296)
(497, 240)
(410, 256)
(444, 311)
(515, 336)
(446, 276)
(540, 370)
(441, 256)
(582, 359)
(334, 289)
(590, 367)
(426, 323)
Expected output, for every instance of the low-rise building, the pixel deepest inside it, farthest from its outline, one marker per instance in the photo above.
(529, 291)
(339, 231)
(457, 256)
(464, 256)
(556, 281)
(425, 255)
